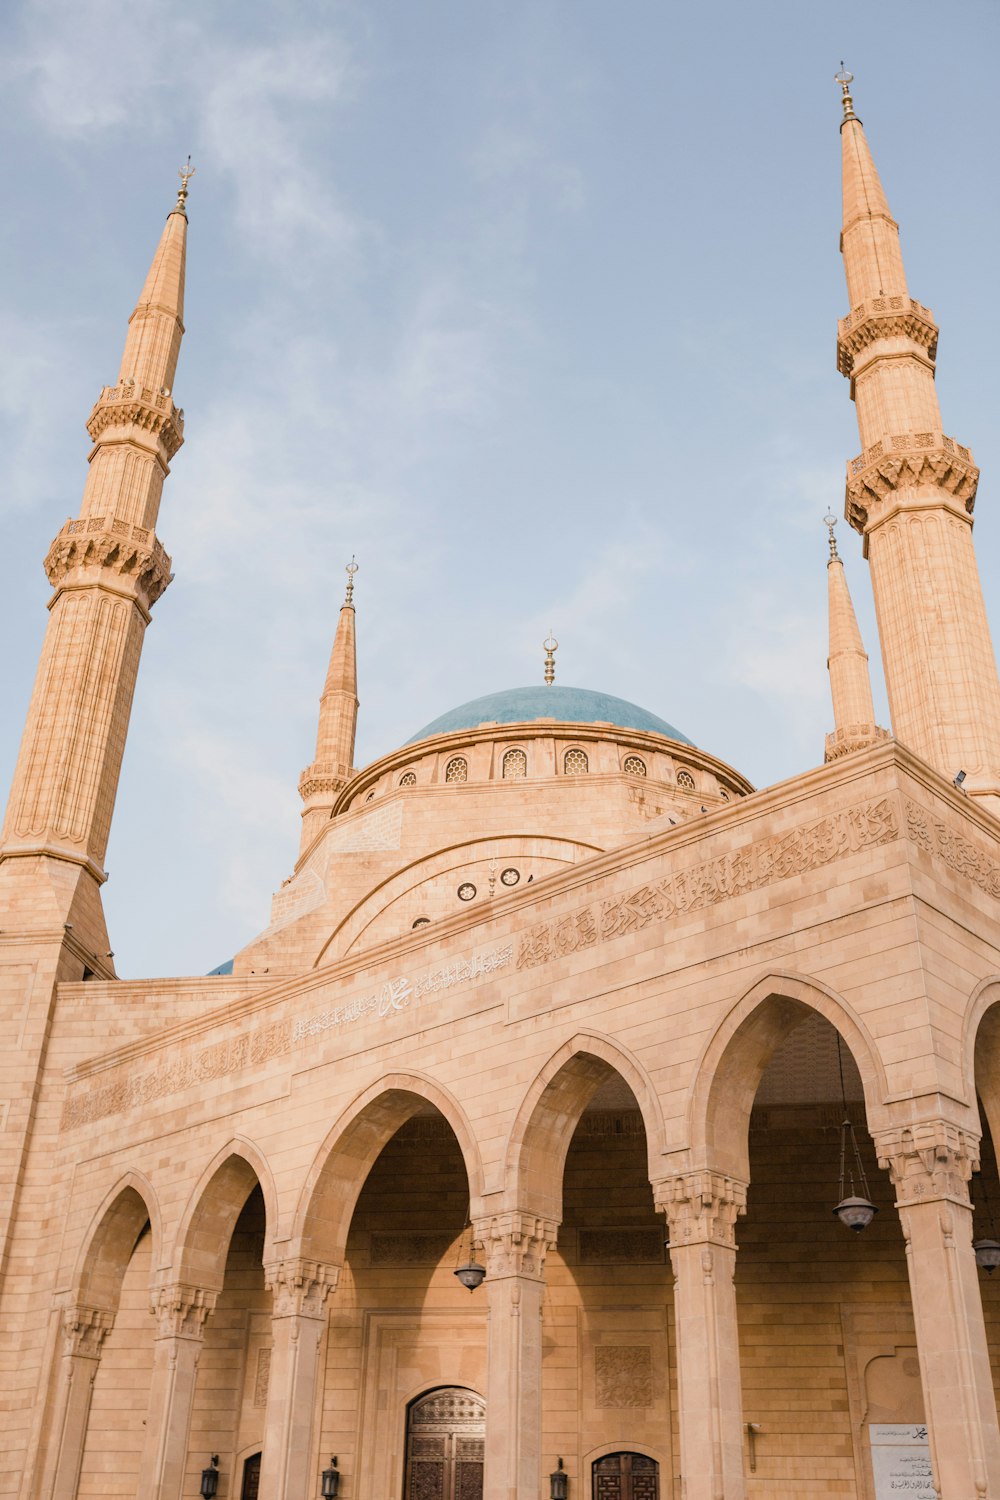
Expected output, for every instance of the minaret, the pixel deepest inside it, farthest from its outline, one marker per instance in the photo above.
(910, 493)
(108, 569)
(854, 726)
(320, 783)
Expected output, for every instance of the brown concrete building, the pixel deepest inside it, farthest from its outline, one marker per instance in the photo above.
(548, 988)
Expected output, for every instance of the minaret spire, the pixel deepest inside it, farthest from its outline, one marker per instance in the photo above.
(854, 726)
(108, 569)
(320, 783)
(910, 493)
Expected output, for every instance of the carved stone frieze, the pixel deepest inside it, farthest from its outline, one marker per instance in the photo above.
(84, 1330)
(131, 405)
(929, 1160)
(908, 460)
(959, 853)
(623, 1375)
(867, 326)
(132, 553)
(515, 1244)
(701, 1207)
(299, 1288)
(181, 1311)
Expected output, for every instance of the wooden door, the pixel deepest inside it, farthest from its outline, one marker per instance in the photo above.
(446, 1436)
(626, 1476)
(251, 1478)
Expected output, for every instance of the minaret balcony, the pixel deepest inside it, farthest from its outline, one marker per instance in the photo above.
(882, 319)
(96, 544)
(909, 461)
(122, 410)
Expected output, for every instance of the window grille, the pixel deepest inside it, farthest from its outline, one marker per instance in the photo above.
(634, 766)
(457, 769)
(575, 763)
(515, 765)
(686, 780)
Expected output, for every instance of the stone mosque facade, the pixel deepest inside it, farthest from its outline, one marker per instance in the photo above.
(553, 999)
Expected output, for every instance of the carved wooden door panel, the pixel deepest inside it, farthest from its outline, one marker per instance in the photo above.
(626, 1476)
(444, 1446)
(251, 1478)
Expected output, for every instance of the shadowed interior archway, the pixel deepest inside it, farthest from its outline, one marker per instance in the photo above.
(543, 1128)
(119, 1222)
(351, 1148)
(734, 1060)
(206, 1228)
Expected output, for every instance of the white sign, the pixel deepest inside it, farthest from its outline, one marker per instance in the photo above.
(901, 1461)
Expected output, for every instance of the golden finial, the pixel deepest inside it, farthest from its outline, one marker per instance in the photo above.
(845, 80)
(551, 646)
(830, 521)
(185, 174)
(350, 570)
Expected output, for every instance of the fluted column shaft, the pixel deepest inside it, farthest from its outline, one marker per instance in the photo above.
(84, 1332)
(181, 1312)
(701, 1210)
(299, 1289)
(930, 1165)
(515, 1245)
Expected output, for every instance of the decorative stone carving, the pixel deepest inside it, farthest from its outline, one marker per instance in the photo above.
(323, 777)
(131, 405)
(851, 737)
(263, 1376)
(913, 459)
(701, 1207)
(516, 1244)
(84, 1331)
(933, 1159)
(932, 833)
(299, 1288)
(132, 553)
(623, 1375)
(884, 318)
(756, 865)
(181, 1311)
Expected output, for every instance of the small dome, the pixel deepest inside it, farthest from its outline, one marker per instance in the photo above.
(567, 705)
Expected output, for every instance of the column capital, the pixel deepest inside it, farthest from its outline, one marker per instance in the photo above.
(181, 1311)
(516, 1243)
(84, 1330)
(299, 1288)
(701, 1207)
(929, 1160)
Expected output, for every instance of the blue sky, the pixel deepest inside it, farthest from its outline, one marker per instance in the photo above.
(531, 305)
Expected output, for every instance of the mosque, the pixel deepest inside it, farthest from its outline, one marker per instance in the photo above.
(586, 1124)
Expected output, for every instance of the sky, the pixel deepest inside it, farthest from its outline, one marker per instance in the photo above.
(532, 306)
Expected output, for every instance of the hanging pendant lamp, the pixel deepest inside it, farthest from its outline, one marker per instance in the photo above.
(469, 1272)
(855, 1210)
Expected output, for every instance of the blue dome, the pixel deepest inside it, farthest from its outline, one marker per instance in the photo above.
(568, 705)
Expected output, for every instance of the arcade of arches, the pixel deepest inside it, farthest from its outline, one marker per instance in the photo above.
(591, 1342)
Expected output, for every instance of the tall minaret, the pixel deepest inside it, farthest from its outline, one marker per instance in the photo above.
(854, 726)
(108, 569)
(910, 493)
(320, 783)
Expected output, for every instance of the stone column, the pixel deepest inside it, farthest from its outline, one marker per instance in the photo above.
(84, 1332)
(180, 1313)
(930, 1164)
(701, 1209)
(299, 1289)
(515, 1245)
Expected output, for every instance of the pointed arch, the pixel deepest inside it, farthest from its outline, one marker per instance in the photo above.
(111, 1238)
(535, 1153)
(981, 1053)
(342, 1164)
(207, 1224)
(733, 1062)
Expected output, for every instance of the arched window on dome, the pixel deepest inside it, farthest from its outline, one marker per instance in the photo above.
(634, 766)
(575, 763)
(457, 769)
(685, 780)
(408, 778)
(515, 766)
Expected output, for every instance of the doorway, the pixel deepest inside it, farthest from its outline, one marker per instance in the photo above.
(445, 1440)
(626, 1476)
(251, 1478)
